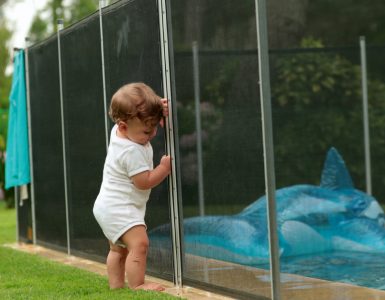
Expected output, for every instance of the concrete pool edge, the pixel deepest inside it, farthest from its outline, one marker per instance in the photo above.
(257, 281)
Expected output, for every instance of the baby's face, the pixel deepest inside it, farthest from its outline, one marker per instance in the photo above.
(138, 132)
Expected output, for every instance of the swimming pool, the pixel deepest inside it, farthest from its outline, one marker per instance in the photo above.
(357, 268)
(332, 231)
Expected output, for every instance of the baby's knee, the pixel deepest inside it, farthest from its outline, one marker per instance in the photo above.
(140, 248)
(118, 250)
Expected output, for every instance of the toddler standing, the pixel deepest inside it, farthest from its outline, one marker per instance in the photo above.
(128, 177)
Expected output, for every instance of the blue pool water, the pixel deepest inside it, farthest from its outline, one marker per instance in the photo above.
(330, 231)
(357, 268)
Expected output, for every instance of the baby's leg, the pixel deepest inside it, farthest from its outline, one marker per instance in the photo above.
(115, 266)
(137, 243)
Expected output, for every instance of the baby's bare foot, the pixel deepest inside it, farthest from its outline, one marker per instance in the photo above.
(152, 286)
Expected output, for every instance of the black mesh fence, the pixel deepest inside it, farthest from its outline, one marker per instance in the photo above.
(376, 98)
(220, 142)
(230, 115)
(316, 105)
(131, 44)
(84, 123)
(24, 215)
(47, 144)
(231, 164)
(132, 53)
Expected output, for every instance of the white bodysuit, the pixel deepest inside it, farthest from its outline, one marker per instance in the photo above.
(120, 205)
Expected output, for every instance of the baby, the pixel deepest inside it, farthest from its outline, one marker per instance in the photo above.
(128, 178)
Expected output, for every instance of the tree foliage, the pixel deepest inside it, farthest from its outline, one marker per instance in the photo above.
(45, 22)
(5, 80)
(5, 85)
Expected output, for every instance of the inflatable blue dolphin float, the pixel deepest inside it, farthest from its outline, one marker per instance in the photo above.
(333, 216)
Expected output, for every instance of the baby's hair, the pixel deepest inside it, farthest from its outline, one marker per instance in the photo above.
(136, 100)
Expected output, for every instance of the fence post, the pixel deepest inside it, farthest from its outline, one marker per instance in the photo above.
(16, 197)
(163, 11)
(364, 86)
(198, 127)
(33, 212)
(60, 26)
(102, 3)
(268, 145)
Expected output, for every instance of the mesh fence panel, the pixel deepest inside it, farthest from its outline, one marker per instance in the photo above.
(85, 138)
(24, 217)
(131, 44)
(232, 159)
(132, 54)
(230, 135)
(316, 104)
(376, 92)
(47, 144)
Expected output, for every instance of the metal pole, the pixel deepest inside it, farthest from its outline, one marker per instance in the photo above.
(198, 127)
(364, 85)
(102, 4)
(60, 26)
(33, 211)
(16, 197)
(268, 146)
(170, 143)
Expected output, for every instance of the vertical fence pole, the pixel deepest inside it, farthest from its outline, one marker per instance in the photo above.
(198, 127)
(16, 197)
(60, 26)
(268, 146)
(170, 143)
(33, 211)
(102, 3)
(364, 86)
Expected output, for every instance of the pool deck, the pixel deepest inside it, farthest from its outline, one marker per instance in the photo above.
(248, 279)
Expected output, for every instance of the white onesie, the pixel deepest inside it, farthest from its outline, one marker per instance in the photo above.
(120, 205)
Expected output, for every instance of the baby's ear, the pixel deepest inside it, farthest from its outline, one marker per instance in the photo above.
(122, 126)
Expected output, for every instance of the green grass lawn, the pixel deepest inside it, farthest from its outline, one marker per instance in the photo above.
(28, 276)
(7, 224)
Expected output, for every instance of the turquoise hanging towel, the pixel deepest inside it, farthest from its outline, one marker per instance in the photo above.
(17, 156)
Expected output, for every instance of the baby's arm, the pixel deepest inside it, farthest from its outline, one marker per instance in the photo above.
(149, 179)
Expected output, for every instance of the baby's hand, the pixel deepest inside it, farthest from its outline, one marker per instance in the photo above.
(165, 161)
(165, 107)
